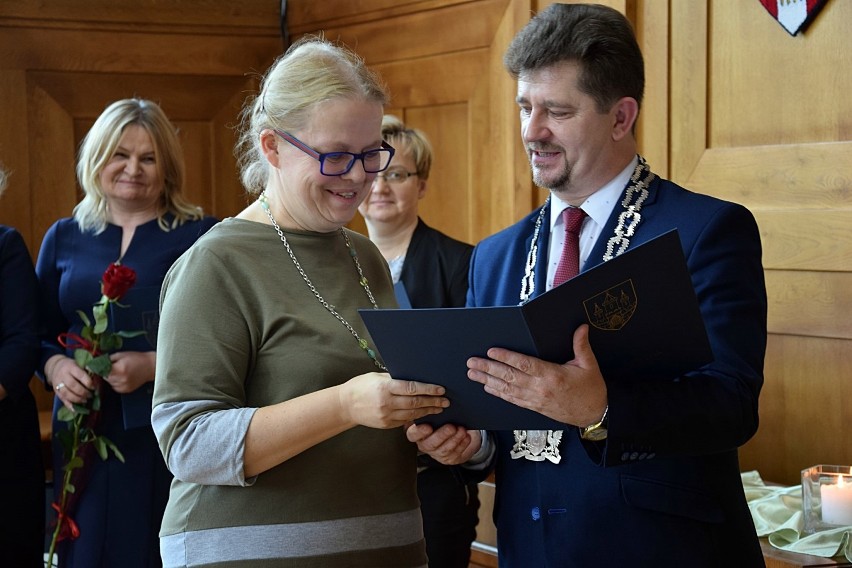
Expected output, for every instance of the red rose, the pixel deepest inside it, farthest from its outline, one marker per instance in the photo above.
(117, 280)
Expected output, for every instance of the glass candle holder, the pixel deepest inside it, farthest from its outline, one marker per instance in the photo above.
(826, 497)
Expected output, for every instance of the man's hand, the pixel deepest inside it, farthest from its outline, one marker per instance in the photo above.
(449, 444)
(573, 393)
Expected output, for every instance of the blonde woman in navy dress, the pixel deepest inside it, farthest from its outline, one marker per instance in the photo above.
(131, 170)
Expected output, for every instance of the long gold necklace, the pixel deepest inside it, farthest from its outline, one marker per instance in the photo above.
(362, 343)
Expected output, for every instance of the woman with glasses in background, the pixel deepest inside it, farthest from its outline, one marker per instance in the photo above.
(429, 270)
(271, 405)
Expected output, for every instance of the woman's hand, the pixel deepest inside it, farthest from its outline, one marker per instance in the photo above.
(378, 401)
(71, 384)
(131, 370)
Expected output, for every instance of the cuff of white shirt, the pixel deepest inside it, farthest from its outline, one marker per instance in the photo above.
(482, 458)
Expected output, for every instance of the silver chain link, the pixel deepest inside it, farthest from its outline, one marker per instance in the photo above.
(362, 343)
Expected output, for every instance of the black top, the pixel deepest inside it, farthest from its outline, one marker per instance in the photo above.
(435, 269)
(20, 452)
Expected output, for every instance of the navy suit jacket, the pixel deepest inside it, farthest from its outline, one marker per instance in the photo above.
(664, 488)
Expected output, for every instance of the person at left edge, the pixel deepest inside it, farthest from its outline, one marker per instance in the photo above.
(131, 170)
(21, 466)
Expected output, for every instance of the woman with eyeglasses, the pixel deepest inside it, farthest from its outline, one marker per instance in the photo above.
(271, 406)
(429, 270)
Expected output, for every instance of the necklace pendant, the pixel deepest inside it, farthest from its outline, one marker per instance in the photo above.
(537, 445)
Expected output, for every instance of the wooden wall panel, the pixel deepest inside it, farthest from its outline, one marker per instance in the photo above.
(249, 16)
(807, 384)
(16, 202)
(62, 62)
(760, 117)
(812, 304)
(447, 28)
(52, 181)
(793, 81)
(448, 182)
(137, 50)
(503, 189)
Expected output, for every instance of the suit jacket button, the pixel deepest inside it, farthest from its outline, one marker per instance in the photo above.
(625, 456)
(535, 513)
(633, 456)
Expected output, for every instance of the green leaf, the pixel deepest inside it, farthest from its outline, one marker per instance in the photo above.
(110, 342)
(82, 357)
(86, 321)
(115, 450)
(101, 448)
(96, 401)
(101, 320)
(100, 365)
(69, 487)
(81, 410)
(74, 463)
(64, 415)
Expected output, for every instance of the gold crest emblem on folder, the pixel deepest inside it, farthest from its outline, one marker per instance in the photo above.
(612, 309)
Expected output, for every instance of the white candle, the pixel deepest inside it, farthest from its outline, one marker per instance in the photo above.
(837, 502)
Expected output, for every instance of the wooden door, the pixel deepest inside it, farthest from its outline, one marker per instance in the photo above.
(62, 62)
(762, 118)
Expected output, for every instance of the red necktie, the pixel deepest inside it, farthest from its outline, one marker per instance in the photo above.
(569, 262)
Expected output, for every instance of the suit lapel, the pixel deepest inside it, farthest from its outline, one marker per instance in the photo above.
(542, 257)
(599, 250)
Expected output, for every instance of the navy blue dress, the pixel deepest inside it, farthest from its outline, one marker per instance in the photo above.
(21, 467)
(120, 511)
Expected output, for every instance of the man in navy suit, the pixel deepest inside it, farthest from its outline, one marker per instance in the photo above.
(645, 472)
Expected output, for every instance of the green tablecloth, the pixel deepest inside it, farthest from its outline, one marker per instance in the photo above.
(777, 514)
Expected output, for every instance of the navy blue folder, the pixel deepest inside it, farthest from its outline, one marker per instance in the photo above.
(142, 313)
(644, 321)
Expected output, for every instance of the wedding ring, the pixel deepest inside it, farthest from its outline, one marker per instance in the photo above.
(60, 386)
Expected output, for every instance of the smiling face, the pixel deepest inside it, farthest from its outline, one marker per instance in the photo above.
(299, 193)
(573, 147)
(131, 179)
(395, 203)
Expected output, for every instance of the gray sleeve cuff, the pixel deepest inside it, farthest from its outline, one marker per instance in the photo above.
(210, 448)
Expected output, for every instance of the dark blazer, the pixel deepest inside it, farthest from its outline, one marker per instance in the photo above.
(20, 453)
(434, 274)
(664, 488)
(21, 467)
(435, 269)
